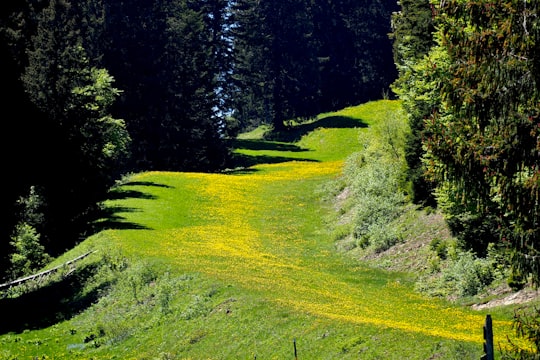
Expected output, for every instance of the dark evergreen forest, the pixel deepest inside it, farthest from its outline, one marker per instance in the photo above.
(96, 89)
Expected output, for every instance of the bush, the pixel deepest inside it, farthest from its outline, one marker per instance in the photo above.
(378, 203)
(463, 275)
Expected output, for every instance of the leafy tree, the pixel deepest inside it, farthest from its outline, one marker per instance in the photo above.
(81, 143)
(486, 144)
(413, 28)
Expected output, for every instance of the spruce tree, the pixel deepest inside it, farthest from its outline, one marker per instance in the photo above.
(80, 144)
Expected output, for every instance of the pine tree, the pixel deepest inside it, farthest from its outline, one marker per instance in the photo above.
(81, 143)
(354, 51)
(275, 70)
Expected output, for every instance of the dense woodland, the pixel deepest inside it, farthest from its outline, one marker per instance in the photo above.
(100, 88)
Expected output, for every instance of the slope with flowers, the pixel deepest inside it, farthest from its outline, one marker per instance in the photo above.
(240, 265)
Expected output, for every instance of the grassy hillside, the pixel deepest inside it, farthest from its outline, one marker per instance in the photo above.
(240, 265)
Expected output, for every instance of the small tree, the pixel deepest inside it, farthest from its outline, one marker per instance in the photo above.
(28, 254)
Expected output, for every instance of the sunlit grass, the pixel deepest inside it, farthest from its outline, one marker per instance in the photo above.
(257, 242)
(260, 244)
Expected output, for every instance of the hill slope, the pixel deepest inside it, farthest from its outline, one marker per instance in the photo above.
(241, 265)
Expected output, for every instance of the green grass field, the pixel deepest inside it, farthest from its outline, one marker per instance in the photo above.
(241, 265)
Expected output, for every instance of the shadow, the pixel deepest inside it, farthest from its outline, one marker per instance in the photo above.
(51, 304)
(119, 194)
(240, 171)
(247, 161)
(284, 141)
(147, 183)
(265, 145)
(294, 133)
(109, 220)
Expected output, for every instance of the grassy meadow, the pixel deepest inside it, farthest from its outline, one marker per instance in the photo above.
(241, 265)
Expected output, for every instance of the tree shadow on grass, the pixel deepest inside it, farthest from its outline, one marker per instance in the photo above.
(285, 141)
(48, 305)
(295, 133)
(108, 218)
(266, 145)
(243, 161)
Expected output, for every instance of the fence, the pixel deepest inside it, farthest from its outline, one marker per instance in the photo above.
(44, 274)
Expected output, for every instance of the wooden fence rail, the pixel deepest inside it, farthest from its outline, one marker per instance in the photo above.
(43, 274)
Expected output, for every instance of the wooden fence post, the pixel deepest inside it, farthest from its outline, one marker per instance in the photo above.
(488, 340)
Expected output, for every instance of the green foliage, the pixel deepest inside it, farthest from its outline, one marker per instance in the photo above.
(464, 275)
(374, 179)
(439, 247)
(484, 142)
(472, 101)
(526, 323)
(475, 231)
(28, 254)
(379, 202)
(516, 280)
(412, 32)
(97, 97)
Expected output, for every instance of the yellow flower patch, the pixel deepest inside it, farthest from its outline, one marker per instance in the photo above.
(256, 242)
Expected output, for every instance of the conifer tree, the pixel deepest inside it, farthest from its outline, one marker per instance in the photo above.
(80, 143)
(486, 146)
(275, 61)
(164, 55)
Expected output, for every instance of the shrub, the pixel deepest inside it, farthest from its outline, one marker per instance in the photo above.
(378, 203)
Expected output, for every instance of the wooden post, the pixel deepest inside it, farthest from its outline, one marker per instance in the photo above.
(488, 340)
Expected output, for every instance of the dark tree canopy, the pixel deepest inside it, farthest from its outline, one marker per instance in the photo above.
(413, 38)
(295, 59)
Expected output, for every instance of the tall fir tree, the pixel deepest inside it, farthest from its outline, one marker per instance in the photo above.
(354, 51)
(276, 69)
